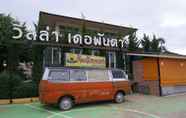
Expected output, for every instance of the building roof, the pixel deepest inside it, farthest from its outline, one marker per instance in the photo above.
(159, 55)
(53, 19)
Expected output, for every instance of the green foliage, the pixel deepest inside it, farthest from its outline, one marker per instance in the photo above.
(157, 44)
(8, 82)
(37, 58)
(13, 52)
(13, 86)
(146, 43)
(4, 88)
(26, 89)
(133, 42)
(152, 45)
(37, 69)
(6, 26)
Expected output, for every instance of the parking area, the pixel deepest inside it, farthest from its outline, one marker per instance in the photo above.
(136, 106)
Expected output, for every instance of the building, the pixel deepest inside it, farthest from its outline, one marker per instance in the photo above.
(155, 74)
(54, 54)
(159, 74)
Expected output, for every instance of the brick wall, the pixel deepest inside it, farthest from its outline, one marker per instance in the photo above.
(144, 86)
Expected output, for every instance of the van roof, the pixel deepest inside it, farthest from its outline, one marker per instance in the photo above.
(83, 68)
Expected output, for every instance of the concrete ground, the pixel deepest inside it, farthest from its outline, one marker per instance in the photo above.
(136, 106)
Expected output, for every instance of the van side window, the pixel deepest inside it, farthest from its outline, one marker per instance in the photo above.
(118, 74)
(98, 75)
(59, 75)
(77, 75)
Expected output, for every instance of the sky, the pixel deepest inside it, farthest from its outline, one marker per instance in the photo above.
(164, 18)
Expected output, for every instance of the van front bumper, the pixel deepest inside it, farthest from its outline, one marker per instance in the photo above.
(48, 98)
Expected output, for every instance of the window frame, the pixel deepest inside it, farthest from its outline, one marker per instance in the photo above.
(110, 59)
(76, 80)
(58, 50)
(61, 81)
(119, 79)
(107, 71)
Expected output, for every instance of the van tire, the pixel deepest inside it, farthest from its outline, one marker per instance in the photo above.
(119, 97)
(66, 103)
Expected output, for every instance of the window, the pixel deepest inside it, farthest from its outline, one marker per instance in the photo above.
(47, 56)
(98, 75)
(76, 51)
(77, 75)
(52, 56)
(96, 52)
(59, 75)
(56, 56)
(118, 74)
(112, 59)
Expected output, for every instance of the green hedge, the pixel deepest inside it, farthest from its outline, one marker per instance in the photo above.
(26, 89)
(8, 83)
(4, 89)
(13, 86)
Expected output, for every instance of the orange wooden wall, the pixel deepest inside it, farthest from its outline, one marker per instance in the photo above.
(150, 69)
(173, 72)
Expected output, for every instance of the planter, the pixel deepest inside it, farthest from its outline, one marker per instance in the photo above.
(34, 99)
(21, 100)
(4, 101)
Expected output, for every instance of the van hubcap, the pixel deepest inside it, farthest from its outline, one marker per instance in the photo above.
(65, 104)
(119, 98)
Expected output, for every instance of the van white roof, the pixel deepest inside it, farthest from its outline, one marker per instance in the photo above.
(83, 68)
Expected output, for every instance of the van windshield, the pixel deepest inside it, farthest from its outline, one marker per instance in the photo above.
(118, 74)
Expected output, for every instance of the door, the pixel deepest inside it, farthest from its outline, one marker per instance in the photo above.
(99, 85)
(120, 81)
(68, 82)
(78, 85)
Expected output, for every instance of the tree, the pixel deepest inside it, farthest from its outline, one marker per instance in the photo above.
(9, 51)
(145, 43)
(153, 45)
(161, 44)
(37, 52)
(133, 43)
(6, 33)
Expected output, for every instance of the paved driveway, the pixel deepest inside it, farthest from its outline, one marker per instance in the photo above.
(136, 106)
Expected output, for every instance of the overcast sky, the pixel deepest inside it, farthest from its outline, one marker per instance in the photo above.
(164, 18)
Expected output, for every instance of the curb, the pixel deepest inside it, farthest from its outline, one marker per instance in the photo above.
(4, 101)
(19, 101)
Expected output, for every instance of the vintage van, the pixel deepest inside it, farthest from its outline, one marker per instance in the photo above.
(69, 86)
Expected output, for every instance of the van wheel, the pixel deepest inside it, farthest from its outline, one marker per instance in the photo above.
(66, 103)
(119, 97)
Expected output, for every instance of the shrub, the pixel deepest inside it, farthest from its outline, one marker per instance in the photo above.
(8, 82)
(14, 86)
(26, 89)
(4, 89)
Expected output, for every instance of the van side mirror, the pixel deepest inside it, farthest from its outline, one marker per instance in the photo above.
(126, 76)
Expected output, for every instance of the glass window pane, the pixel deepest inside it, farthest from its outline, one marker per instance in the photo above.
(47, 56)
(77, 75)
(56, 56)
(96, 52)
(118, 74)
(98, 75)
(112, 59)
(59, 75)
